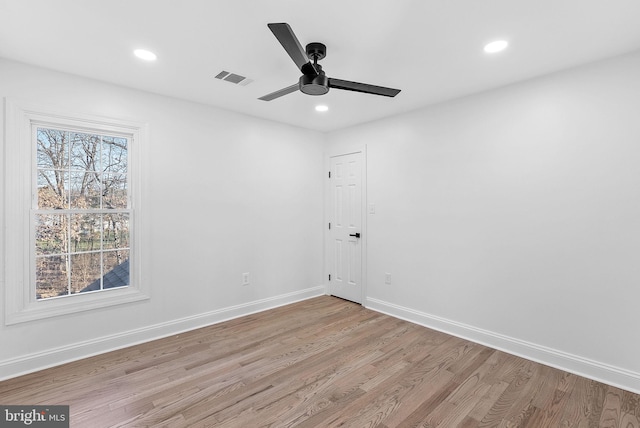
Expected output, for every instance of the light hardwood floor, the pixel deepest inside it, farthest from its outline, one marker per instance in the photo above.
(323, 362)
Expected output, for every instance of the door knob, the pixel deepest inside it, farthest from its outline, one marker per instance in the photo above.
(357, 235)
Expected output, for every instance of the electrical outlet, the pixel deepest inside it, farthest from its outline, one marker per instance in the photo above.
(245, 278)
(387, 278)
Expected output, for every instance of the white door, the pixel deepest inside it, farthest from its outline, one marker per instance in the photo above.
(345, 243)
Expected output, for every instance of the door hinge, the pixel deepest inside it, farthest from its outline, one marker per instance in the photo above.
(329, 277)
(329, 174)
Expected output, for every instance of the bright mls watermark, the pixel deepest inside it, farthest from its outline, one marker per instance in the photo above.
(34, 416)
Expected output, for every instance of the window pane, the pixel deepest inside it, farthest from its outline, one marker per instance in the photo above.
(114, 154)
(85, 152)
(85, 271)
(115, 191)
(116, 268)
(86, 190)
(52, 189)
(116, 231)
(89, 251)
(85, 232)
(52, 148)
(51, 234)
(51, 277)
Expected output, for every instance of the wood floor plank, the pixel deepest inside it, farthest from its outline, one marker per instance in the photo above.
(612, 408)
(551, 403)
(523, 408)
(577, 412)
(322, 362)
(507, 399)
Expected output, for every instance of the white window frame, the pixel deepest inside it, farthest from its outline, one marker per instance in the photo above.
(21, 304)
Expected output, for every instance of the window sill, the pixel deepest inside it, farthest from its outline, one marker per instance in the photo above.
(74, 304)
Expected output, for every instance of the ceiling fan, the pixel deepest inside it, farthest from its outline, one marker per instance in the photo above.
(313, 80)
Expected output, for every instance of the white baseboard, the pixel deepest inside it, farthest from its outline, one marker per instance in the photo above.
(41, 360)
(584, 367)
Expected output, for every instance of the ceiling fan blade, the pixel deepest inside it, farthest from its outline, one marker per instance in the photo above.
(290, 43)
(281, 92)
(363, 87)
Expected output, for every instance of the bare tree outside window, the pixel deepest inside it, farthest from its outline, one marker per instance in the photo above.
(82, 237)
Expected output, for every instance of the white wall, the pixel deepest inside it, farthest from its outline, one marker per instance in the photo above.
(513, 217)
(223, 194)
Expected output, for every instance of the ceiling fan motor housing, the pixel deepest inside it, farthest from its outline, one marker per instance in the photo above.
(314, 84)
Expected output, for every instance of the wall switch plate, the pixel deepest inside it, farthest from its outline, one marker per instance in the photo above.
(387, 278)
(245, 278)
(372, 208)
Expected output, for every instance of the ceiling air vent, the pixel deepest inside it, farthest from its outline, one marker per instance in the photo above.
(233, 78)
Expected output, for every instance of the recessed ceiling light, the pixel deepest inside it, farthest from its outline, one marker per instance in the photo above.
(496, 46)
(145, 54)
(322, 107)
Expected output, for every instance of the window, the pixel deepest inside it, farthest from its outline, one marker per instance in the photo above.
(71, 212)
(81, 212)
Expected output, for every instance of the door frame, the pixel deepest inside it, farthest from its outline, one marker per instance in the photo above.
(334, 152)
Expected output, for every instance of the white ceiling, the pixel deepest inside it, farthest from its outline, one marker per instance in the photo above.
(431, 49)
